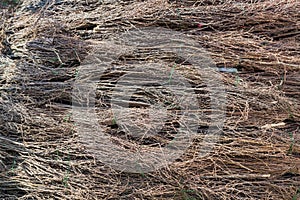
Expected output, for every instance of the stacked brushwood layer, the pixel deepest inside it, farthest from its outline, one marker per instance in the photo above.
(43, 45)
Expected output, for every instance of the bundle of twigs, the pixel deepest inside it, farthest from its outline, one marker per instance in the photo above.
(42, 155)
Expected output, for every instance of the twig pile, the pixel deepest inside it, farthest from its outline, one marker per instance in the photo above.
(43, 45)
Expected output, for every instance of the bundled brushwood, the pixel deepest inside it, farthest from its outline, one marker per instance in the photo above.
(44, 44)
